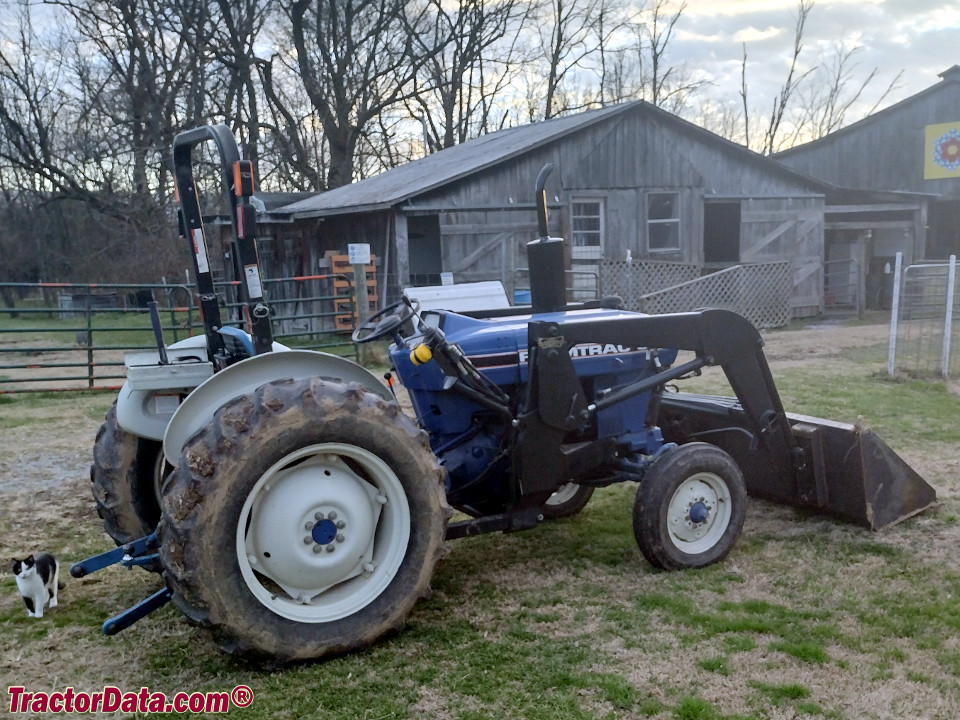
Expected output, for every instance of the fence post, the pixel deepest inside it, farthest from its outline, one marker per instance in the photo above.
(948, 318)
(89, 307)
(894, 315)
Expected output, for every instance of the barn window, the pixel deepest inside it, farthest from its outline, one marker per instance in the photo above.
(663, 222)
(586, 220)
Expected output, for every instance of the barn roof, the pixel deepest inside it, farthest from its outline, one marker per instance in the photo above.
(445, 166)
(417, 177)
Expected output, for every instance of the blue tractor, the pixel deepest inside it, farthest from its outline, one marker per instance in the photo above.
(301, 512)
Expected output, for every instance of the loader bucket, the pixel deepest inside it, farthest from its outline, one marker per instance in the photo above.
(839, 469)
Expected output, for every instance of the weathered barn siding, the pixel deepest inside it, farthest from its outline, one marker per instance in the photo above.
(620, 161)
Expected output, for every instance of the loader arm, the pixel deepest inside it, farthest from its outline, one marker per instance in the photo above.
(718, 337)
(841, 469)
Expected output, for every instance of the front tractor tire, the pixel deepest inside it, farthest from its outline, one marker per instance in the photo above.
(690, 507)
(305, 520)
(125, 477)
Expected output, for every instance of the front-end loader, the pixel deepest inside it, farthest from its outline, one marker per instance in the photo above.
(302, 513)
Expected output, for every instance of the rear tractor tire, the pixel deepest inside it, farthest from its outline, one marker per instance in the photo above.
(568, 500)
(690, 507)
(305, 520)
(126, 476)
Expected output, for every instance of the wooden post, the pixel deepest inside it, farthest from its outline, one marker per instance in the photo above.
(402, 246)
(359, 256)
(360, 292)
(860, 260)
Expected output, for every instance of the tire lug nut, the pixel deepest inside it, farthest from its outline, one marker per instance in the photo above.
(341, 524)
(307, 540)
(332, 515)
(331, 548)
(318, 548)
(318, 516)
(340, 537)
(308, 526)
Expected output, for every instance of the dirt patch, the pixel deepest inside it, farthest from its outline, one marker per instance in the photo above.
(824, 340)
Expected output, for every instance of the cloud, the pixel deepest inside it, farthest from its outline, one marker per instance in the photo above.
(918, 38)
(751, 34)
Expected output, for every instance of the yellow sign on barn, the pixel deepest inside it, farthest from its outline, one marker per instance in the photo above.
(942, 151)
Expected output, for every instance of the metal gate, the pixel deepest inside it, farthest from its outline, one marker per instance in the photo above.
(924, 323)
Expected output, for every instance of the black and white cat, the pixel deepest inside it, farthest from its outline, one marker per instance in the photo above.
(37, 579)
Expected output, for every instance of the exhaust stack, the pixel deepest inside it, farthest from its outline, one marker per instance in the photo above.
(548, 291)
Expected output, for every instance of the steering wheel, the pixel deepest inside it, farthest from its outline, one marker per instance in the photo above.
(387, 321)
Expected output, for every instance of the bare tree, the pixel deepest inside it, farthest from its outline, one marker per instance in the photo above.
(631, 58)
(825, 102)
(743, 98)
(87, 112)
(356, 59)
(458, 87)
(236, 29)
(138, 66)
(33, 109)
(790, 85)
(811, 102)
(772, 139)
(567, 40)
(294, 141)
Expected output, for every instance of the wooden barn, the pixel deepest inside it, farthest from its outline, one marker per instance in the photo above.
(631, 182)
(902, 168)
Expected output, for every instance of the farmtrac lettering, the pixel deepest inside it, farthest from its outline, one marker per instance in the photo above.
(593, 349)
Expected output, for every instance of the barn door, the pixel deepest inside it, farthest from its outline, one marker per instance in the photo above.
(423, 238)
(791, 229)
(480, 245)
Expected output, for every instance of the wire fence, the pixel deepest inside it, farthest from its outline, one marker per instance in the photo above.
(62, 336)
(924, 324)
(760, 292)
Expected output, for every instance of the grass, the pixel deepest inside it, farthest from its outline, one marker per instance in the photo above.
(806, 618)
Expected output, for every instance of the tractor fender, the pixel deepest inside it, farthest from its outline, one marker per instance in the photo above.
(246, 376)
(139, 413)
(146, 412)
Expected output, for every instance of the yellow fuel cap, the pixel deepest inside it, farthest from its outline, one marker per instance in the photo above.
(420, 354)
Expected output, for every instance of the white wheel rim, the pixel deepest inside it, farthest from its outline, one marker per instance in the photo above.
(564, 493)
(699, 513)
(323, 532)
(159, 475)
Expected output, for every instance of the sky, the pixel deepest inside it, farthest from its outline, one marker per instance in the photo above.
(921, 38)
